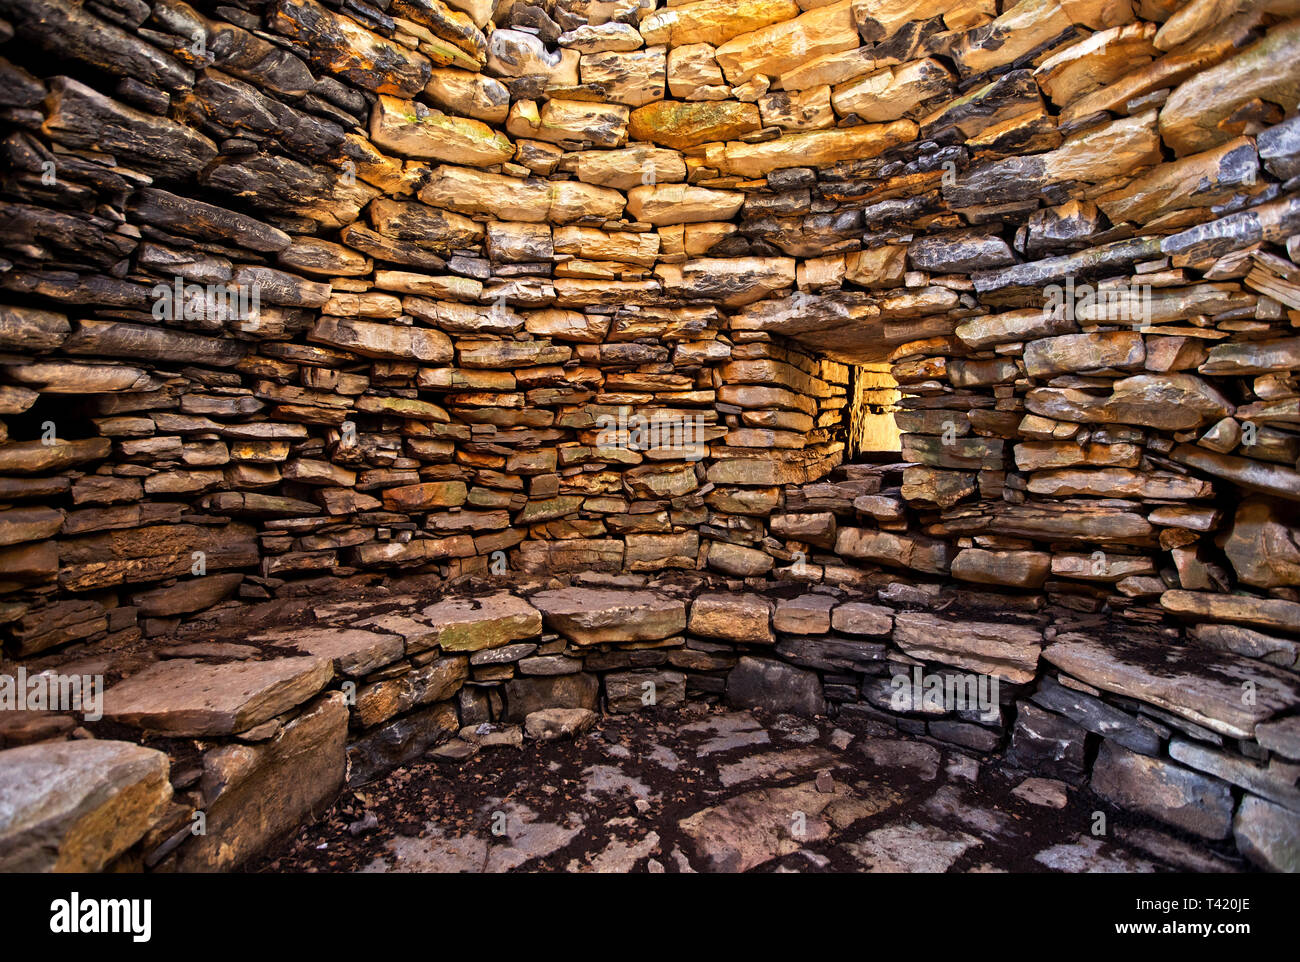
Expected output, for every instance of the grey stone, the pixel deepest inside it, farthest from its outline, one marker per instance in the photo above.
(1047, 743)
(1096, 716)
(1268, 834)
(400, 741)
(74, 806)
(628, 691)
(527, 695)
(775, 686)
(1171, 793)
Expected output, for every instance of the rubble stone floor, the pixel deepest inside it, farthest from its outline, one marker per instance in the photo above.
(705, 789)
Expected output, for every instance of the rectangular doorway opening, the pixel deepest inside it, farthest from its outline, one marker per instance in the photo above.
(872, 434)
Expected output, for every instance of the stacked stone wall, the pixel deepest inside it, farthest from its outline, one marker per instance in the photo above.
(296, 298)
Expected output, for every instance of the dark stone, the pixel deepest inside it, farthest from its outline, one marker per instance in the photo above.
(1193, 802)
(975, 737)
(830, 653)
(527, 695)
(400, 741)
(1098, 717)
(775, 686)
(1047, 743)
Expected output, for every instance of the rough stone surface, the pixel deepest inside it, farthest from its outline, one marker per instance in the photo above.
(75, 806)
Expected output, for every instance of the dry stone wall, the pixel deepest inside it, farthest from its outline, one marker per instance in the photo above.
(297, 292)
(298, 296)
(254, 718)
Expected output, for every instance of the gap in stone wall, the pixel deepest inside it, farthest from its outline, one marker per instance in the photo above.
(872, 432)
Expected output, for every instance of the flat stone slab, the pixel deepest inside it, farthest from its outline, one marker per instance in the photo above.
(1282, 736)
(593, 616)
(780, 764)
(1201, 685)
(732, 730)
(1088, 854)
(991, 648)
(186, 697)
(756, 827)
(472, 624)
(351, 650)
(918, 758)
(911, 847)
(74, 806)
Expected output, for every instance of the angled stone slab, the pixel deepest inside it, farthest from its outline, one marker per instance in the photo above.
(1171, 793)
(256, 794)
(187, 697)
(351, 650)
(593, 616)
(1199, 684)
(1097, 716)
(74, 806)
(989, 647)
(1275, 782)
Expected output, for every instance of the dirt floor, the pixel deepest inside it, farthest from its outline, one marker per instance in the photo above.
(703, 789)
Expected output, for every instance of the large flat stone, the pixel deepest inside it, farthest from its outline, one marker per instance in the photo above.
(745, 831)
(351, 650)
(1163, 790)
(472, 624)
(989, 647)
(256, 794)
(74, 806)
(593, 616)
(1201, 685)
(186, 697)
